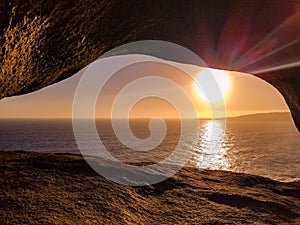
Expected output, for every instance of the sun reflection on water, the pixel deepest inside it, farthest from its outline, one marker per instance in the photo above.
(212, 150)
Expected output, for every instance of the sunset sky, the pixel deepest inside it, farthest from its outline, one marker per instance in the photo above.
(244, 94)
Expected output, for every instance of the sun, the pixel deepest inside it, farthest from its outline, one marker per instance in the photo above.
(212, 85)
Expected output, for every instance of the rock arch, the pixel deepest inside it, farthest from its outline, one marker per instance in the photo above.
(46, 41)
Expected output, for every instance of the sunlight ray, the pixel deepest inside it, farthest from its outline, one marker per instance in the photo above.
(275, 38)
(284, 66)
(269, 53)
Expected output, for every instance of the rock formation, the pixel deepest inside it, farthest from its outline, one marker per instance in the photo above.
(43, 42)
(63, 189)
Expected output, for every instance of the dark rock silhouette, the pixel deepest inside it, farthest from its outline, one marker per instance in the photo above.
(43, 42)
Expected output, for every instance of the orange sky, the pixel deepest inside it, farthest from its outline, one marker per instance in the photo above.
(247, 95)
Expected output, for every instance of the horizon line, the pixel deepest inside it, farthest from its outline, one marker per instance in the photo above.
(123, 118)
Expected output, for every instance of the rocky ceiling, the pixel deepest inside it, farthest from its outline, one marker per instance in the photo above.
(45, 41)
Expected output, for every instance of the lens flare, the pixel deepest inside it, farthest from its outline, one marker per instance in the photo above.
(222, 79)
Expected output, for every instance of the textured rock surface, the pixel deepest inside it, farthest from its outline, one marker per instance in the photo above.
(43, 42)
(39, 188)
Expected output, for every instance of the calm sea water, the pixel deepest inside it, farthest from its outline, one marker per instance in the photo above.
(270, 149)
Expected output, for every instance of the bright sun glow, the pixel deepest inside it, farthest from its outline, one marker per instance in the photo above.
(215, 85)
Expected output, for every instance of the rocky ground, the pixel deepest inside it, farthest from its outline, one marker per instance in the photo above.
(62, 189)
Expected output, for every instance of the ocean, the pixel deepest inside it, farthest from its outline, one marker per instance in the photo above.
(270, 149)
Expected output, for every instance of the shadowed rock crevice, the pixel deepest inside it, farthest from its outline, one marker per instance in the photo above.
(43, 42)
(253, 204)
